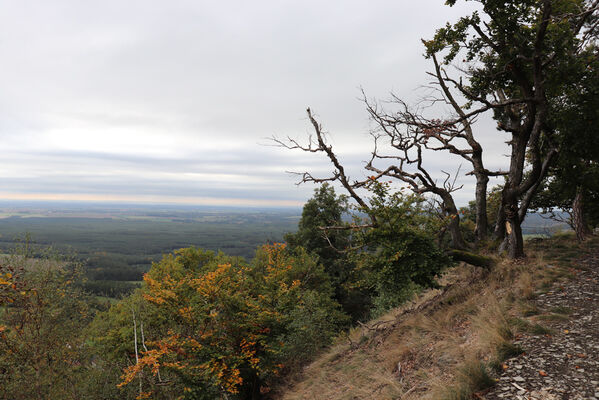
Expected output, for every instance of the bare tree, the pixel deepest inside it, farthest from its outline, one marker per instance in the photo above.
(408, 154)
(408, 142)
(454, 134)
(320, 145)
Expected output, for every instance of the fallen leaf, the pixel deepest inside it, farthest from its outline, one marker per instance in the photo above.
(504, 366)
(566, 331)
(542, 373)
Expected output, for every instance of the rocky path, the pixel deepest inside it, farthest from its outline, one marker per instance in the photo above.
(565, 363)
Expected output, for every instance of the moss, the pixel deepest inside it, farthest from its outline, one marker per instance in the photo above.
(472, 258)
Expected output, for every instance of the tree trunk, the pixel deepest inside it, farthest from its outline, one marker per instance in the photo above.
(480, 231)
(578, 216)
(455, 232)
(511, 193)
(256, 395)
(451, 210)
(499, 231)
(513, 230)
(471, 258)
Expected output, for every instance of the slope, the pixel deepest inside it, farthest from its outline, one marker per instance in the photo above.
(455, 342)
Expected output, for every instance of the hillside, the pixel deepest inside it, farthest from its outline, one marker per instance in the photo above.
(525, 328)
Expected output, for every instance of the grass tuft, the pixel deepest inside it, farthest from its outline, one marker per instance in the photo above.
(561, 310)
(508, 350)
(553, 317)
(472, 377)
(538, 329)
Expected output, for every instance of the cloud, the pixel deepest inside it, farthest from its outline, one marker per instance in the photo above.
(160, 98)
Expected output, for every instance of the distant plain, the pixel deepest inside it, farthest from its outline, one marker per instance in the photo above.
(118, 243)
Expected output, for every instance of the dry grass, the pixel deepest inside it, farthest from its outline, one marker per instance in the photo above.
(444, 344)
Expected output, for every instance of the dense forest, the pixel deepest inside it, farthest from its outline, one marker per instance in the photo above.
(209, 325)
(117, 244)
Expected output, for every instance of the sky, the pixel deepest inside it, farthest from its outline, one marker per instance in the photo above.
(174, 101)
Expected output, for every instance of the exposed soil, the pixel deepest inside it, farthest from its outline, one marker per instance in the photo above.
(564, 363)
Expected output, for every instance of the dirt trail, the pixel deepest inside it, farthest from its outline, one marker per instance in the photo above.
(563, 364)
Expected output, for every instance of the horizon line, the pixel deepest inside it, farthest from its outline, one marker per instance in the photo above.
(150, 200)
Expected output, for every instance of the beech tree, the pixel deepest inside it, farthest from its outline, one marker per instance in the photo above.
(223, 329)
(324, 209)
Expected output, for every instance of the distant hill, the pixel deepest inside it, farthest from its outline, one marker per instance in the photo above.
(541, 224)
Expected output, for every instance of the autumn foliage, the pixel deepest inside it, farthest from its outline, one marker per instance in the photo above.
(41, 316)
(228, 327)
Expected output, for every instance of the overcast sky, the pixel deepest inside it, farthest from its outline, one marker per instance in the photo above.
(171, 101)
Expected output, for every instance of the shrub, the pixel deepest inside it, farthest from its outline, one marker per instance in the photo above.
(230, 327)
(399, 254)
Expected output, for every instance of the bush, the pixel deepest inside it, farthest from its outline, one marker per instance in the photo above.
(399, 255)
(214, 324)
(42, 316)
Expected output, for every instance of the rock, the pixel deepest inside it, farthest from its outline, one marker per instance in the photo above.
(573, 343)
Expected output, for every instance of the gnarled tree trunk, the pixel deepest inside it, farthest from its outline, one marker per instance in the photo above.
(480, 231)
(457, 240)
(578, 216)
(513, 230)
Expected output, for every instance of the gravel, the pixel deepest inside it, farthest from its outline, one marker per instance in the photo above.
(565, 363)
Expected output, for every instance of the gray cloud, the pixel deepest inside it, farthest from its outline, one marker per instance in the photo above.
(176, 98)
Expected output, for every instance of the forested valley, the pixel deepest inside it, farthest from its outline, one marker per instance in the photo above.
(116, 244)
